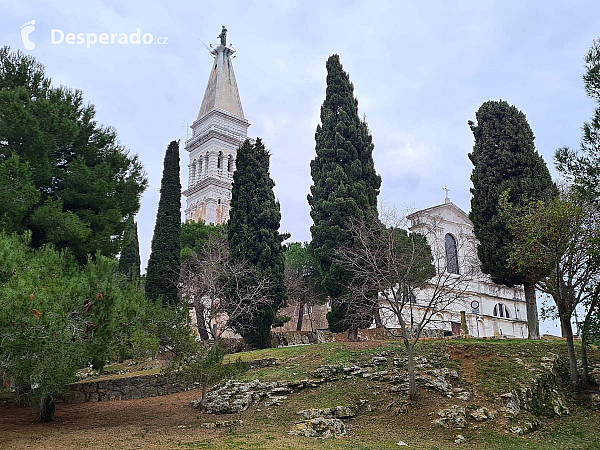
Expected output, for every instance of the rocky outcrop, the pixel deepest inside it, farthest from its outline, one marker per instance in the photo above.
(338, 412)
(323, 423)
(320, 428)
(543, 397)
(453, 417)
(482, 414)
(233, 397)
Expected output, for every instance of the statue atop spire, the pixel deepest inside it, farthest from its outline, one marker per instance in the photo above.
(223, 36)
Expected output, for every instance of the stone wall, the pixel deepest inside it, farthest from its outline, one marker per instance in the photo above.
(123, 388)
(289, 338)
(140, 386)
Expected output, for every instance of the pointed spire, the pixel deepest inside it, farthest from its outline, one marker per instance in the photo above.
(221, 90)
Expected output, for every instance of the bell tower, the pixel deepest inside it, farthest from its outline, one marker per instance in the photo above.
(216, 135)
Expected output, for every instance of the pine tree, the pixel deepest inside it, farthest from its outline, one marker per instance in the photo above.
(505, 158)
(129, 261)
(162, 274)
(345, 184)
(80, 183)
(253, 235)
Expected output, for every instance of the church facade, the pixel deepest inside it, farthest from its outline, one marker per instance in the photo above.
(217, 132)
(490, 309)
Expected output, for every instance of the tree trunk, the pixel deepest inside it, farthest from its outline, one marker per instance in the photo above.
(565, 320)
(412, 382)
(585, 376)
(199, 307)
(203, 398)
(378, 322)
(563, 333)
(216, 334)
(353, 334)
(300, 316)
(47, 408)
(533, 324)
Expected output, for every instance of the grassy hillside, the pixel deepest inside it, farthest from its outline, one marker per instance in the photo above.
(486, 369)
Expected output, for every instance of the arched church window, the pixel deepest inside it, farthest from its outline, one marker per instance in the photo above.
(199, 170)
(451, 254)
(220, 160)
(229, 163)
(500, 310)
(206, 161)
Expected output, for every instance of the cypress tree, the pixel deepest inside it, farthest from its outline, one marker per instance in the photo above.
(345, 184)
(504, 158)
(162, 274)
(129, 261)
(253, 235)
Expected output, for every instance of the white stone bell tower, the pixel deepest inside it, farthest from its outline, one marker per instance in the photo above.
(216, 135)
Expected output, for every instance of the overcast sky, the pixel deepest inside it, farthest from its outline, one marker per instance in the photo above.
(420, 71)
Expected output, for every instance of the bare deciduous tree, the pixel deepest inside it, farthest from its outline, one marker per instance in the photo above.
(409, 275)
(208, 281)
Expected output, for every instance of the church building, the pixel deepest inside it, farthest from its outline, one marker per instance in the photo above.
(490, 309)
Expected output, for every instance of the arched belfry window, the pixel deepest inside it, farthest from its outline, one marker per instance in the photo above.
(451, 254)
(229, 163)
(220, 160)
(206, 161)
(500, 310)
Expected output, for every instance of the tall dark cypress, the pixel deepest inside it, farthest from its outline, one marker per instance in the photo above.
(129, 261)
(162, 273)
(345, 184)
(504, 157)
(253, 234)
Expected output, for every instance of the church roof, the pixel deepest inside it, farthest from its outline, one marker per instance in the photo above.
(446, 205)
(222, 91)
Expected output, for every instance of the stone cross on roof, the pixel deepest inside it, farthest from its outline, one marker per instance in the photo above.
(447, 199)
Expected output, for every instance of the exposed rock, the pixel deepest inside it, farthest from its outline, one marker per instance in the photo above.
(226, 423)
(465, 396)
(459, 439)
(482, 414)
(85, 373)
(595, 398)
(337, 412)
(526, 428)
(336, 371)
(377, 360)
(235, 396)
(453, 417)
(436, 382)
(542, 397)
(319, 427)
